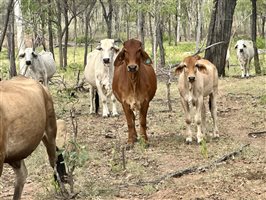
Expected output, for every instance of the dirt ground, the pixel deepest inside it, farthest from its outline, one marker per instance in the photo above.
(241, 110)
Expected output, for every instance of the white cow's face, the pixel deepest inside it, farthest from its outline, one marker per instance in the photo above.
(28, 56)
(108, 49)
(240, 46)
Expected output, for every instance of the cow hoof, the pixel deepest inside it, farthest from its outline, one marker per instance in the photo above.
(115, 115)
(189, 140)
(106, 115)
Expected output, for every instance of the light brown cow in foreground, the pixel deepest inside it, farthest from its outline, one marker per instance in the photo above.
(198, 79)
(27, 117)
(134, 85)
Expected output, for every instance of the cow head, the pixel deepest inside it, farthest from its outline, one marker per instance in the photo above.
(28, 55)
(190, 66)
(132, 55)
(108, 49)
(240, 46)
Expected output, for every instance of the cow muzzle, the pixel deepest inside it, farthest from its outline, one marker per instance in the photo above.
(241, 50)
(132, 68)
(28, 62)
(106, 60)
(191, 79)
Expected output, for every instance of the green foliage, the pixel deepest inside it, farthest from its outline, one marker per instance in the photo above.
(76, 155)
(263, 99)
(203, 149)
(261, 43)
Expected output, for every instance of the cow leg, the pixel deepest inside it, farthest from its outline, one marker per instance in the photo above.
(132, 134)
(92, 96)
(186, 108)
(103, 98)
(203, 118)
(214, 115)
(21, 175)
(247, 68)
(113, 99)
(198, 120)
(243, 70)
(143, 122)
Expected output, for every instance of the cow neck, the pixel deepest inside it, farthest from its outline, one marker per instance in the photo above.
(134, 80)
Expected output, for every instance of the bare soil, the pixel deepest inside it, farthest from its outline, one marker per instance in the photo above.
(241, 110)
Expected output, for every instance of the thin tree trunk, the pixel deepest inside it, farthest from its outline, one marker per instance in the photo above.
(160, 43)
(199, 23)
(50, 28)
(75, 28)
(65, 11)
(178, 22)
(221, 19)
(59, 33)
(9, 10)
(108, 17)
(155, 37)
(19, 24)
(254, 36)
(263, 26)
(141, 22)
(11, 46)
(151, 33)
(169, 31)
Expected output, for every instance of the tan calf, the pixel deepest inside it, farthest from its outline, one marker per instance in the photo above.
(198, 79)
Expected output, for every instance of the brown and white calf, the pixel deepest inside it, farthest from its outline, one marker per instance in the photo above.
(198, 78)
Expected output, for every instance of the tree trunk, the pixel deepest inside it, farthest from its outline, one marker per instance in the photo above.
(178, 22)
(169, 30)
(199, 23)
(155, 36)
(254, 36)
(65, 13)
(108, 17)
(263, 27)
(160, 43)
(87, 23)
(141, 22)
(59, 33)
(50, 28)
(151, 33)
(11, 46)
(9, 10)
(221, 19)
(19, 24)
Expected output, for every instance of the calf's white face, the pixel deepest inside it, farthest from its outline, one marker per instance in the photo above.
(28, 56)
(241, 46)
(108, 49)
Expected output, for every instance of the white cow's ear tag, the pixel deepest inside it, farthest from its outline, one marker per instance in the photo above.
(148, 61)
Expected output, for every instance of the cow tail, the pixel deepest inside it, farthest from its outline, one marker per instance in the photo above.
(60, 167)
(96, 102)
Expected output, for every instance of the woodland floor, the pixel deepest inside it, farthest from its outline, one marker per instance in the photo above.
(241, 110)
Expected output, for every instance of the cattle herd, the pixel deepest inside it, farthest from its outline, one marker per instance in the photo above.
(27, 114)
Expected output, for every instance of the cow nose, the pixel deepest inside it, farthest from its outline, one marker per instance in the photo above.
(191, 78)
(28, 62)
(132, 68)
(241, 50)
(106, 60)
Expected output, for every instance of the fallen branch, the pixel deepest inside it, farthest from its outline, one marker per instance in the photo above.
(257, 134)
(193, 169)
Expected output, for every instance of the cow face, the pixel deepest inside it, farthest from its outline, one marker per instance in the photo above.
(108, 49)
(28, 55)
(133, 55)
(190, 66)
(240, 46)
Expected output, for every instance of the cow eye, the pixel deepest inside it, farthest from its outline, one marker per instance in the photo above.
(22, 55)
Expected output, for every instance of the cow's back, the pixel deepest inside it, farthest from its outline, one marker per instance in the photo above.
(93, 62)
(49, 62)
(24, 115)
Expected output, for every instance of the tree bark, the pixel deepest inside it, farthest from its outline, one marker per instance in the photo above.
(9, 10)
(59, 33)
(263, 20)
(20, 29)
(43, 22)
(221, 20)
(65, 13)
(108, 17)
(254, 36)
(11, 46)
(50, 28)
(141, 22)
(199, 23)
(160, 43)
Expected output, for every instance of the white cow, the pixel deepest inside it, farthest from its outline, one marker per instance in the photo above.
(99, 74)
(245, 53)
(39, 66)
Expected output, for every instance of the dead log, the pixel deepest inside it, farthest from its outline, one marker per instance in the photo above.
(257, 134)
(193, 169)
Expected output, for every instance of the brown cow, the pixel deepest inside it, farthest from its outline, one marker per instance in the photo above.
(134, 85)
(198, 79)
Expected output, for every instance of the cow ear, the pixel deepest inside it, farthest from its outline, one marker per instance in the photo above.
(202, 68)
(116, 48)
(34, 54)
(197, 57)
(179, 69)
(145, 57)
(119, 58)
